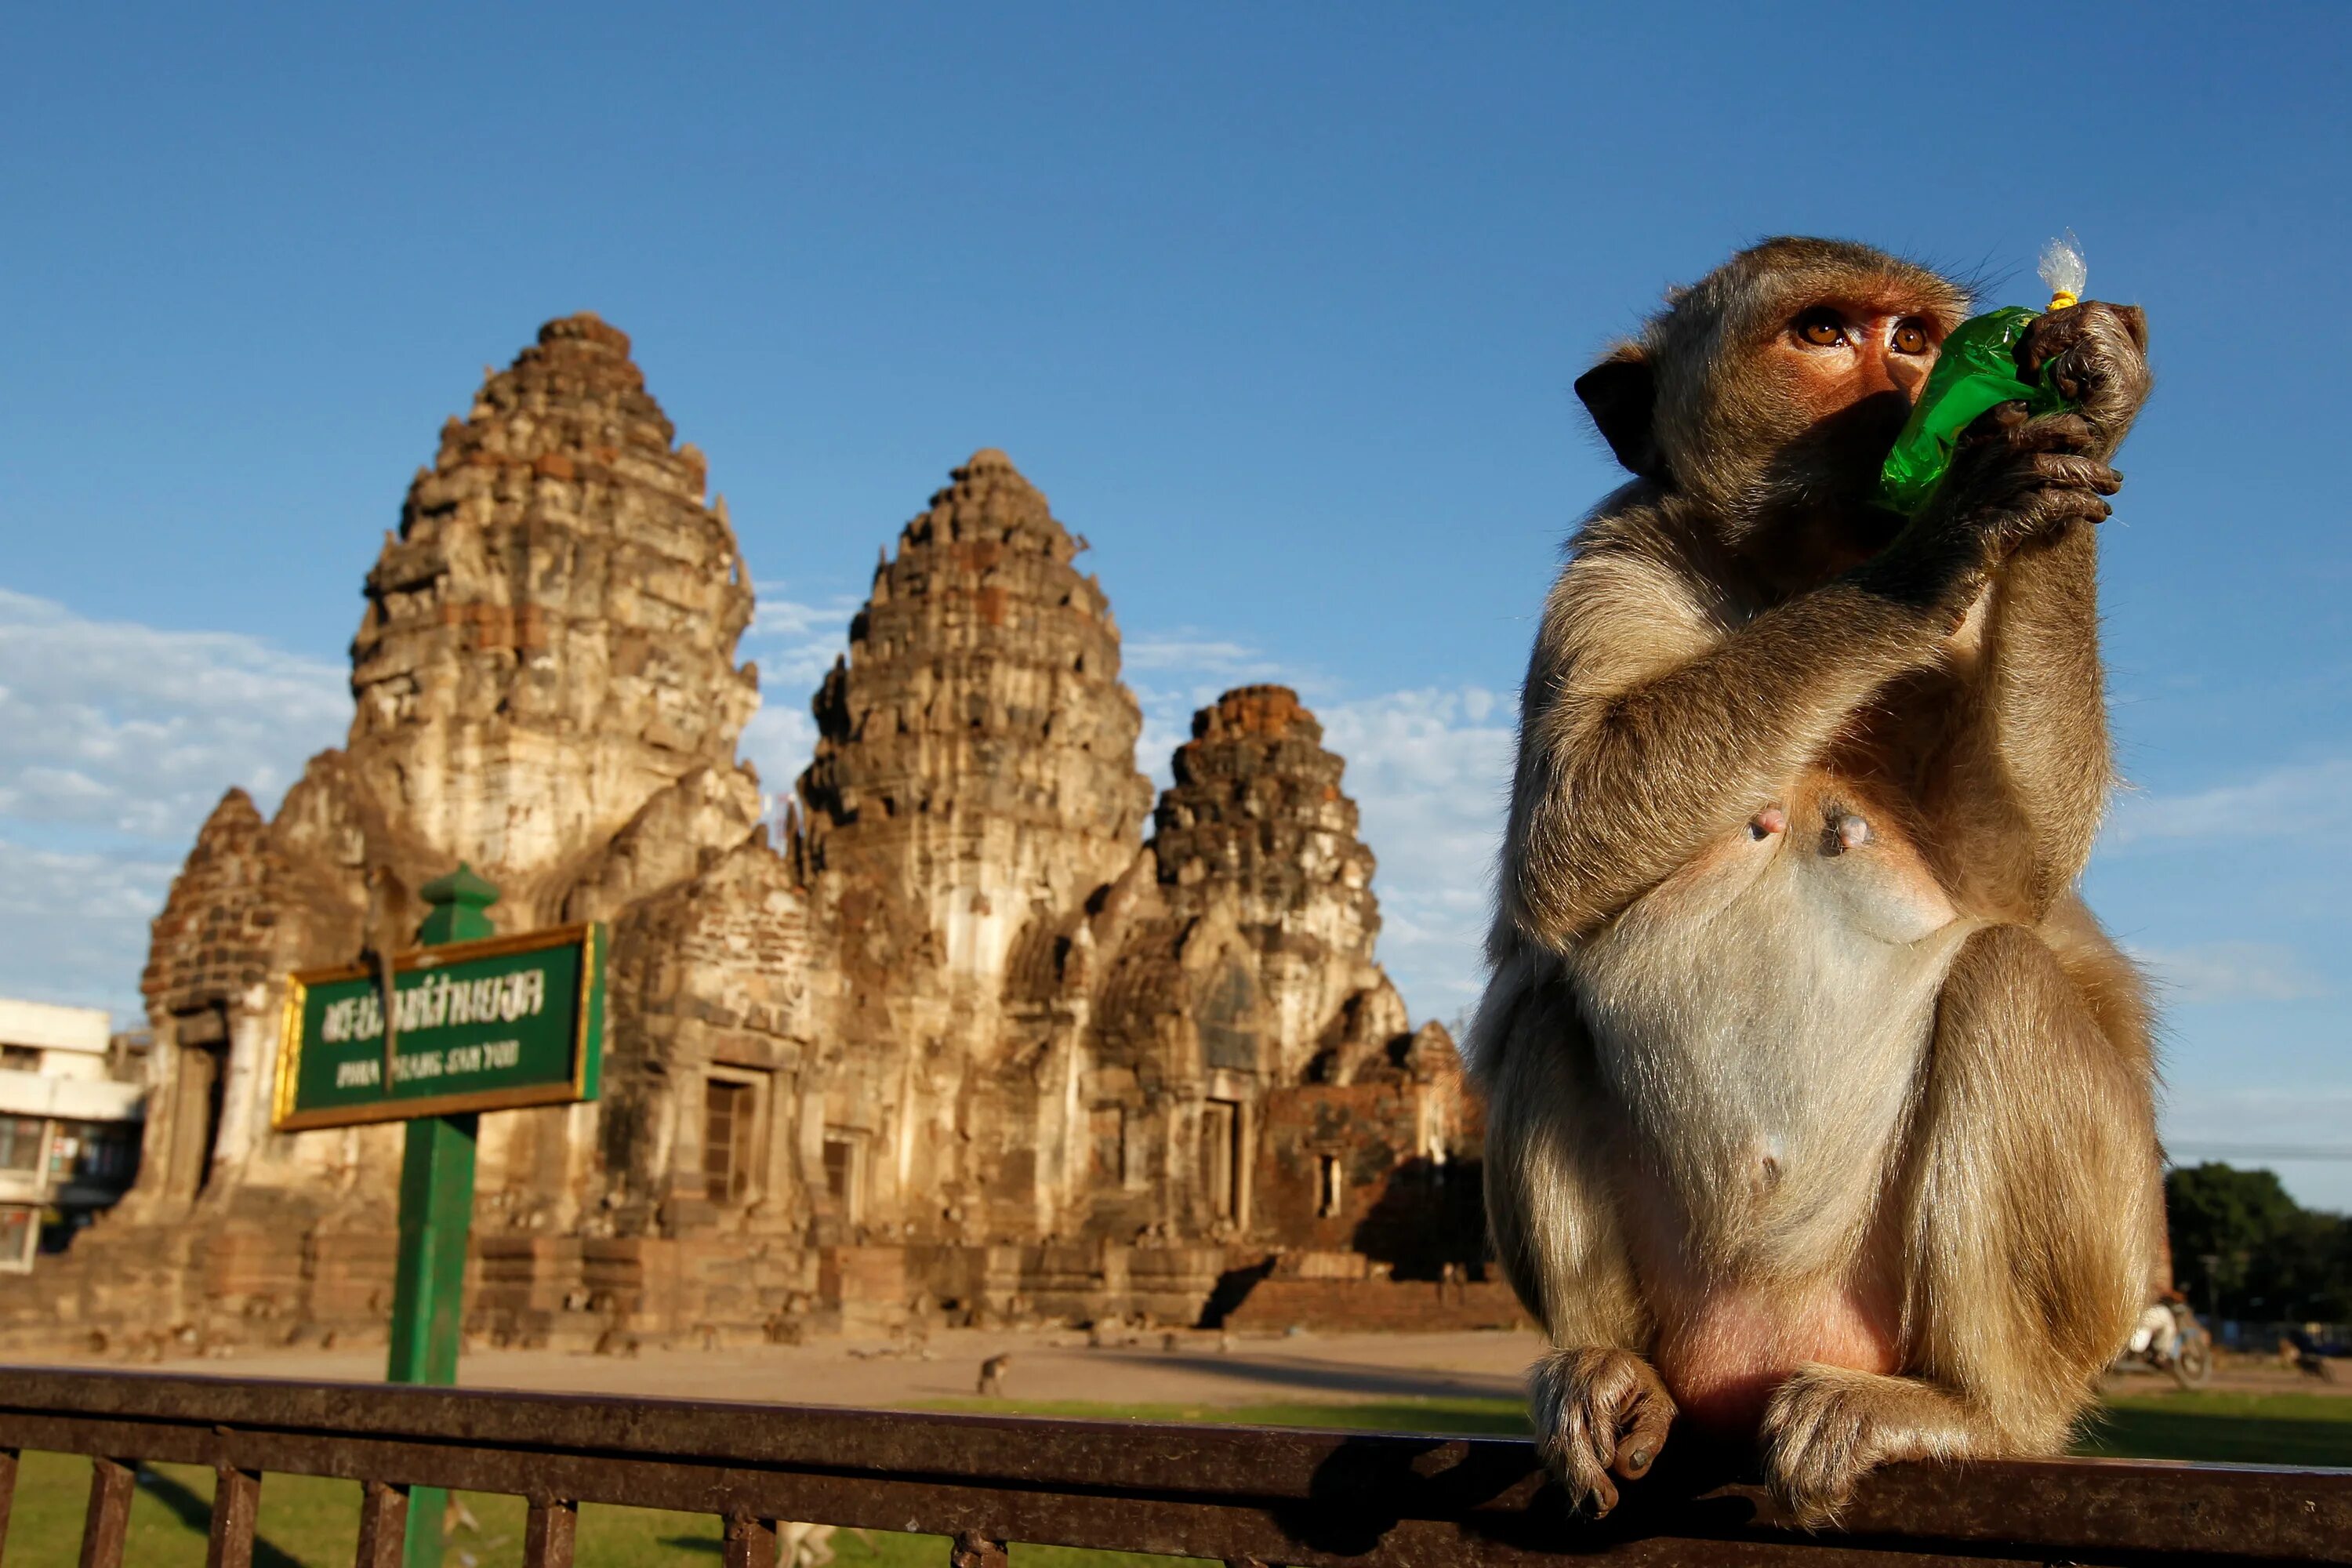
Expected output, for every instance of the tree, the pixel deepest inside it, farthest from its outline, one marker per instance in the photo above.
(2243, 1248)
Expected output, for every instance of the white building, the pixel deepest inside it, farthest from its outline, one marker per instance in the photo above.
(68, 1130)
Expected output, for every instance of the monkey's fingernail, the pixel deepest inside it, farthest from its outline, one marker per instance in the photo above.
(1638, 1460)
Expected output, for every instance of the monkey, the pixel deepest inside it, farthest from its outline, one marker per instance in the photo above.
(380, 939)
(1819, 1108)
(991, 1375)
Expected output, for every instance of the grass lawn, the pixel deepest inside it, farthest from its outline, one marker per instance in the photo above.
(315, 1524)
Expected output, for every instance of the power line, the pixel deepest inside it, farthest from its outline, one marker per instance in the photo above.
(2259, 1150)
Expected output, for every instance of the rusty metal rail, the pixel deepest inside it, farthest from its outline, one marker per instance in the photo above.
(1244, 1495)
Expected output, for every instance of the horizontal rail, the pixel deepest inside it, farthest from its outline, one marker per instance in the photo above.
(1316, 1499)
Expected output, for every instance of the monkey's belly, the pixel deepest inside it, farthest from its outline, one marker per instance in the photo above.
(1762, 1015)
(1722, 1350)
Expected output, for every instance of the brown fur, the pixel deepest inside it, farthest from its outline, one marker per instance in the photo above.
(1819, 1105)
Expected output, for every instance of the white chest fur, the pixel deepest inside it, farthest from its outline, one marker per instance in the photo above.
(1763, 1015)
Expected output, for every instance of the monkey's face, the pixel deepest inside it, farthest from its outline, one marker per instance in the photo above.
(1777, 384)
(1836, 376)
(1855, 360)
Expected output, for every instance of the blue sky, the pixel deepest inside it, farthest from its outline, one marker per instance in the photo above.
(1280, 306)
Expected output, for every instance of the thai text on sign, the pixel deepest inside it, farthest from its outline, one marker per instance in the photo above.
(478, 1026)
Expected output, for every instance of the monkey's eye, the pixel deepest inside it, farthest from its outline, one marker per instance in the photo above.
(1910, 338)
(1821, 327)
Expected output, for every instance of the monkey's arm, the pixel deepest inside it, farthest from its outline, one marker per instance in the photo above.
(2026, 780)
(1646, 731)
(2032, 760)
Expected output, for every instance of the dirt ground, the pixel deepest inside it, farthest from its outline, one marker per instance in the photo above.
(1046, 1365)
(1050, 1365)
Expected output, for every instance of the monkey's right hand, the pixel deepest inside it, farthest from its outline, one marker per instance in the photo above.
(2014, 480)
(1595, 1411)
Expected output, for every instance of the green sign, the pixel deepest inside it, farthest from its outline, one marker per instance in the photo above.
(478, 1026)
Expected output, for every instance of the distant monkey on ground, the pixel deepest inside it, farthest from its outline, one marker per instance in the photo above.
(991, 1375)
(1820, 1108)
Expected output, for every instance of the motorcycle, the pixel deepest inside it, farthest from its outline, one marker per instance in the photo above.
(2169, 1340)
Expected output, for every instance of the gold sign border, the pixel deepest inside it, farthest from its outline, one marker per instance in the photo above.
(284, 1118)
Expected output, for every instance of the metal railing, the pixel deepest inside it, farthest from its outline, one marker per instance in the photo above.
(1244, 1495)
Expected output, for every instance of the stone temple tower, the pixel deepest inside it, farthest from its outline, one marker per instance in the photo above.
(961, 1047)
(976, 751)
(974, 784)
(1255, 818)
(549, 638)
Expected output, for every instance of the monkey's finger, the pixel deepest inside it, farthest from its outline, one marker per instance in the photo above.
(1993, 427)
(2048, 513)
(2054, 433)
(2134, 320)
(1640, 1433)
(2050, 335)
(2076, 472)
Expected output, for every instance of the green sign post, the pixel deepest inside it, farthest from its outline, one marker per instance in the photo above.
(479, 1022)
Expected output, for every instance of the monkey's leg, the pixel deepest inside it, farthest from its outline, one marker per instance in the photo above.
(1595, 1404)
(2028, 1216)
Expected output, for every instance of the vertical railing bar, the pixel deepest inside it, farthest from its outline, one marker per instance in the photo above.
(751, 1542)
(108, 1520)
(7, 1493)
(384, 1524)
(236, 1510)
(548, 1532)
(973, 1549)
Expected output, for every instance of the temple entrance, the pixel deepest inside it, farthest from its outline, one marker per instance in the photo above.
(197, 1098)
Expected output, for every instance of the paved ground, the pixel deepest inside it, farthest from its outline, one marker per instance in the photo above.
(1059, 1364)
(1046, 1365)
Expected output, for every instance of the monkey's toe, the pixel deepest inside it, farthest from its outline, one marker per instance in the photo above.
(1598, 1412)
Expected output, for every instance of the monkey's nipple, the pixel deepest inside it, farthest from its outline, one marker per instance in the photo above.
(1767, 821)
(1847, 830)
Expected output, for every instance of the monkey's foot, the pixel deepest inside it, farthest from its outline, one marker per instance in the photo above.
(1827, 1427)
(1597, 1412)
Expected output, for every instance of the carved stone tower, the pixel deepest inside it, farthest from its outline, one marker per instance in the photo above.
(976, 751)
(549, 638)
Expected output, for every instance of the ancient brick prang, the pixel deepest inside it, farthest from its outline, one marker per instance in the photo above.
(1255, 817)
(975, 761)
(550, 638)
(960, 1046)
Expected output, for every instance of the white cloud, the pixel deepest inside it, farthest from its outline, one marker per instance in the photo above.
(73, 926)
(132, 730)
(2298, 799)
(2232, 971)
(1201, 657)
(116, 741)
(793, 643)
(1428, 771)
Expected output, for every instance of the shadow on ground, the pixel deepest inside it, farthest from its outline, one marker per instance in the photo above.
(196, 1513)
(1330, 1377)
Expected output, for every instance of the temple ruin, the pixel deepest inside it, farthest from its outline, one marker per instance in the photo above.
(976, 1031)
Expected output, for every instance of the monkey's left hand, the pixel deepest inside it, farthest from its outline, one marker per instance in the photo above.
(2097, 355)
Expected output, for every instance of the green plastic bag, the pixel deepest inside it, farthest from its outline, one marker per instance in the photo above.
(1975, 370)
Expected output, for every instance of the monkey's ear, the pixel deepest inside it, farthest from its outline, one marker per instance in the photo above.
(1621, 393)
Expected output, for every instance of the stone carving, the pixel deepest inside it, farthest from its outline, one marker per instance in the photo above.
(956, 1041)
